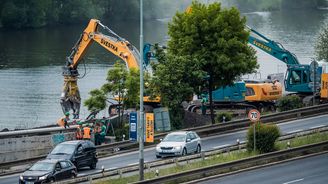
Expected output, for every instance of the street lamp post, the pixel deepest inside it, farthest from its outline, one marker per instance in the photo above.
(141, 123)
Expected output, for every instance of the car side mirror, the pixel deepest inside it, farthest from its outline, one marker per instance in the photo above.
(188, 140)
(58, 168)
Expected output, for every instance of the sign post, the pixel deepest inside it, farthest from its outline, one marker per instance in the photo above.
(133, 126)
(254, 115)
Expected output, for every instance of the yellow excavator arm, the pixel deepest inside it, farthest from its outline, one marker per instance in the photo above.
(113, 43)
(70, 98)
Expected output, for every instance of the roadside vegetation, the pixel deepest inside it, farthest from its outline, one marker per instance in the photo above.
(223, 117)
(221, 158)
(265, 136)
(289, 103)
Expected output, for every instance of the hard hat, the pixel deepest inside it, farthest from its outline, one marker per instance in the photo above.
(66, 113)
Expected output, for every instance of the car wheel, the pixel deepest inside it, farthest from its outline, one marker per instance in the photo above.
(198, 149)
(52, 180)
(184, 152)
(93, 164)
(157, 156)
(73, 175)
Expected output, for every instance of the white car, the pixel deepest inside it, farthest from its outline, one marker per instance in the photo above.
(179, 143)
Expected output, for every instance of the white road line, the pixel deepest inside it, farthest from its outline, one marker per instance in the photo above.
(298, 130)
(319, 126)
(221, 146)
(112, 168)
(242, 142)
(134, 163)
(294, 181)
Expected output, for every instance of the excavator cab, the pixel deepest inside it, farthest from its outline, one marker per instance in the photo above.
(299, 78)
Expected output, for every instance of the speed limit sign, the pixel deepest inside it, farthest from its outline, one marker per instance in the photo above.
(254, 115)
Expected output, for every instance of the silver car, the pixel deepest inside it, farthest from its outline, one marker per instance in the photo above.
(179, 143)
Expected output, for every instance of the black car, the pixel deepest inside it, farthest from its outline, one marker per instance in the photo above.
(81, 153)
(48, 170)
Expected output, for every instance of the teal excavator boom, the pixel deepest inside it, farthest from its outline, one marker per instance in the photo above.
(298, 77)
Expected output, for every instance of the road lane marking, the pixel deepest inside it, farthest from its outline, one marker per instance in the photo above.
(294, 181)
(242, 142)
(221, 146)
(294, 131)
(112, 168)
(319, 126)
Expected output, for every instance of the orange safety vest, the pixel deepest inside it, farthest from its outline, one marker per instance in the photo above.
(86, 132)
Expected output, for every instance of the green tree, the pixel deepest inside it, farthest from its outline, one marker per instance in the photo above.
(13, 15)
(96, 101)
(321, 45)
(122, 85)
(211, 41)
(173, 76)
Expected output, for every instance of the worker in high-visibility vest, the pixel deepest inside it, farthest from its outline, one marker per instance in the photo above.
(87, 132)
(63, 122)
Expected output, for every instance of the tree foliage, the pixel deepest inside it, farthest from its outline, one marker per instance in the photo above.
(38, 13)
(206, 41)
(321, 46)
(96, 101)
(122, 85)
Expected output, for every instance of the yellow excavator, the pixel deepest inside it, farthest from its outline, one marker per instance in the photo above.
(70, 97)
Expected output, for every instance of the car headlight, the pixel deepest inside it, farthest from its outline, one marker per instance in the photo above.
(177, 148)
(43, 177)
(21, 177)
(158, 147)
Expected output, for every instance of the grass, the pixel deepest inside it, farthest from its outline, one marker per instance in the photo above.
(217, 159)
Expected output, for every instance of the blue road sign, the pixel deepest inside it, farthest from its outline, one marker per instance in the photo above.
(133, 126)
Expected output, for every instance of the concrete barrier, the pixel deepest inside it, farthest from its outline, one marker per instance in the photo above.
(20, 148)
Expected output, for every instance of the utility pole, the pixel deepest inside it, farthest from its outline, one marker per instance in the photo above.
(314, 81)
(141, 117)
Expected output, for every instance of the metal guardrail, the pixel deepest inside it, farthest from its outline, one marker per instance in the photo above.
(296, 113)
(203, 155)
(41, 131)
(239, 164)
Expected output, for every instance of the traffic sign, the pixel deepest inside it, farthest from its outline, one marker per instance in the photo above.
(254, 115)
(133, 126)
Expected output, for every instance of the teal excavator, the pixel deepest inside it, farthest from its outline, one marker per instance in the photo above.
(301, 79)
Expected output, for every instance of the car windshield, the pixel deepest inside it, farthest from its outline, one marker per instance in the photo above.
(174, 138)
(62, 149)
(42, 166)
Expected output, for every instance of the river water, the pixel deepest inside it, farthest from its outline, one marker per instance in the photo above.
(31, 60)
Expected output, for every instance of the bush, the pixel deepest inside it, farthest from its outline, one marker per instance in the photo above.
(120, 131)
(220, 115)
(289, 102)
(266, 136)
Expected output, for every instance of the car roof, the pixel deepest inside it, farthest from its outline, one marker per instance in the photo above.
(179, 133)
(53, 160)
(72, 142)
